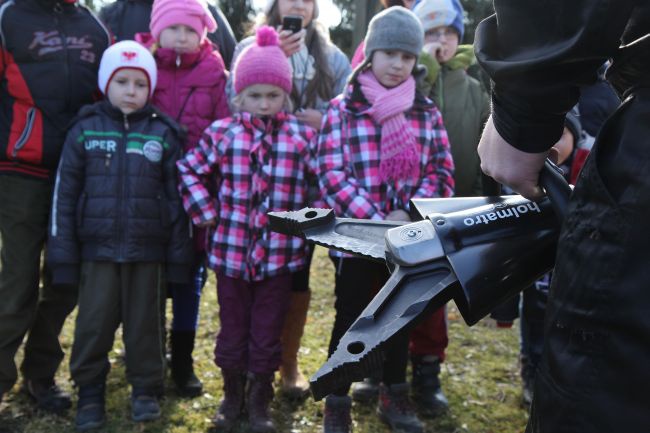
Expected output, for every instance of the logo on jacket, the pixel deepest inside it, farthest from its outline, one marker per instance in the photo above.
(51, 42)
(153, 151)
(109, 146)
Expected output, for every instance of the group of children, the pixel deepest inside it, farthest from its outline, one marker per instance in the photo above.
(177, 167)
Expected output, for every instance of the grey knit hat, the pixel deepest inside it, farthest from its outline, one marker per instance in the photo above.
(395, 28)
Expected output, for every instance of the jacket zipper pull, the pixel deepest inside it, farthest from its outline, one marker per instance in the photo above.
(108, 159)
(126, 122)
(178, 60)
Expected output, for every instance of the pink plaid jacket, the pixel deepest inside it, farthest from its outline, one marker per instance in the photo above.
(244, 167)
(349, 156)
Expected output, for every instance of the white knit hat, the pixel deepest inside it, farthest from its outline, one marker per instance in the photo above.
(126, 54)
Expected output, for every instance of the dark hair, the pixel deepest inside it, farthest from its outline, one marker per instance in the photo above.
(391, 3)
(316, 40)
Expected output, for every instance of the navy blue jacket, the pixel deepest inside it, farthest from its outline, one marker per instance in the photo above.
(115, 196)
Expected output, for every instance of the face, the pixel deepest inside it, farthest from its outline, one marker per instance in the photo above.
(303, 8)
(128, 90)
(263, 99)
(408, 4)
(447, 38)
(181, 38)
(392, 68)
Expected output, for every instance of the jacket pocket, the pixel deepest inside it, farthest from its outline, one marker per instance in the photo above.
(27, 131)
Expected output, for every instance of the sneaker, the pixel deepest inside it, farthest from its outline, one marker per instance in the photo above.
(425, 386)
(395, 409)
(337, 418)
(47, 395)
(90, 407)
(144, 406)
(366, 391)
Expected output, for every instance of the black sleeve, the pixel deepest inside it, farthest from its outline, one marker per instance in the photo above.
(62, 245)
(538, 53)
(223, 36)
(179, 249)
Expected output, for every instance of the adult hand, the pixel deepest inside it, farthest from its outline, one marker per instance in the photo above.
(433, 48)
(291, 42)
(398, 215)
(510, 166)
(311, 117)
(208, 223)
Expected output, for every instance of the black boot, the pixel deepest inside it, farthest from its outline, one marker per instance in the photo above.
(90, 407)
(232, 405)
(47, 395)
(182, 364)
(260, 394)
(427, 393)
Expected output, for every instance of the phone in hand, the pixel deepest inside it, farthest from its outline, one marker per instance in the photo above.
(292, 23)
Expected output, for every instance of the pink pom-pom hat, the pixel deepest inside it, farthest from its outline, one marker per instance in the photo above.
(263, 62)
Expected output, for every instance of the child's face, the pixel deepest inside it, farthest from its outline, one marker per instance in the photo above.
(181, 38)
(303, 8)
(263, 99)
(446, 41)
(392, 68)
(128, 90)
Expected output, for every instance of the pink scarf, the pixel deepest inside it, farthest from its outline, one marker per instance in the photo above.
(399, 157)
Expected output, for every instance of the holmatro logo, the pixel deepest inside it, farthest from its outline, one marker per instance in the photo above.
(504, 213)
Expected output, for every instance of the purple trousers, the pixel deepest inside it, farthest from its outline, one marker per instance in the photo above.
(252, 315)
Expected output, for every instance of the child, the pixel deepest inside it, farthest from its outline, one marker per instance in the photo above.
(320, 71)
(191, 89)
(257, 161)
(381, 144)
(116, 221)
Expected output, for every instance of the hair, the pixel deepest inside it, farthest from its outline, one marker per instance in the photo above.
(316, 40)
(391, 3)
(238, 100)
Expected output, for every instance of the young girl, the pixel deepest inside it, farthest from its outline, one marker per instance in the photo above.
(257, 161)
(320, 71)
(191, 89)
(116, 220)
(381, 144)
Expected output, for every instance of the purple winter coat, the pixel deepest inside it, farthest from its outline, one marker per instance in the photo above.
(192, 93)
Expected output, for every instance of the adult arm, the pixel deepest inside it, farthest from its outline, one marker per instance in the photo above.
(223, 36)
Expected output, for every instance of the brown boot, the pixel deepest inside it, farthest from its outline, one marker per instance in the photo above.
(234, 382)
(260, 394)
(292, 383)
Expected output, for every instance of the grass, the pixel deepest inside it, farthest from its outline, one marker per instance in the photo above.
(480, 378)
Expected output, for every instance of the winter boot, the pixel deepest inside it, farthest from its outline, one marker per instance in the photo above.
(232, 405)
(366, 391)
(336, 418)
(395, 409)
(425, 385)
(292, 383)
(90, 407)
(182, 364)
(260, 394)
(47, 395)
(144, 405)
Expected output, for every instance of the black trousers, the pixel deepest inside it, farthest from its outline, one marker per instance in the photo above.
(594, 375)
(356, 283)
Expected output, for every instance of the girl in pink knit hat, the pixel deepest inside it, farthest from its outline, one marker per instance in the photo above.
(258, 160)
(191, 89)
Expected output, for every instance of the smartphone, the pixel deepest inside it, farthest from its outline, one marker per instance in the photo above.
(292, 22)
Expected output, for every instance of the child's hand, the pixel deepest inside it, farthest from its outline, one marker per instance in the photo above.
(398, 215)
(208, 223)
(310, 117)
(291, 42)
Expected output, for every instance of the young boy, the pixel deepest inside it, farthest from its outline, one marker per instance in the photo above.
(116, 221)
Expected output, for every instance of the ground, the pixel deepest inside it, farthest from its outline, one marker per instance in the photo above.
(480, 378)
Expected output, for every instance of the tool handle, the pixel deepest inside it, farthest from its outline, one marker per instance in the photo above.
(557, 189)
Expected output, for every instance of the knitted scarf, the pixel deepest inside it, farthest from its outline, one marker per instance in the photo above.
(399, 158)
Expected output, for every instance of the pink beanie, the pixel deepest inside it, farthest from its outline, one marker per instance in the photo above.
(192, 13)
(263, 62)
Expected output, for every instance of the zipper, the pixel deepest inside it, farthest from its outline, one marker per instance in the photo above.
(122, 191)
(29, 124)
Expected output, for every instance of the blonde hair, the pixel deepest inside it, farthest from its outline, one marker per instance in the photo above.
(238, 100)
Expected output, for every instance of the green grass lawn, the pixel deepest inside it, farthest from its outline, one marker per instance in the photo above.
(480, 378)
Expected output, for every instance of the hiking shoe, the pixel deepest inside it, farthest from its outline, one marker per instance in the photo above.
(394, 408)
(366, 391)
(144, 406)
(336, 418)
(90, 407)
(425, 386)
(47, 395)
